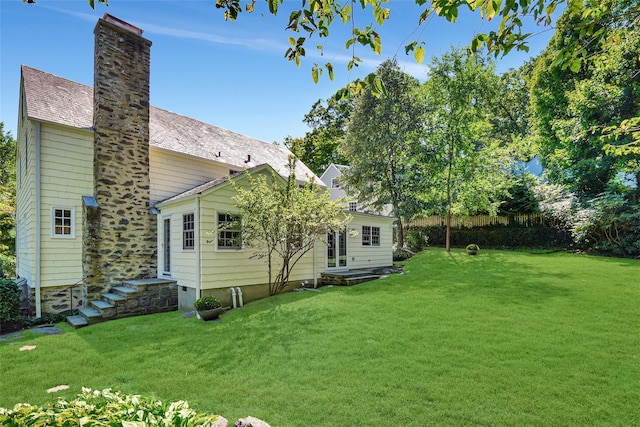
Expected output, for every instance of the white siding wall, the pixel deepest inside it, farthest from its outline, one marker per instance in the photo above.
(173, 173)
(223, 268)
(183, 261)
(360, 256)
(66, 174)
(25, 201)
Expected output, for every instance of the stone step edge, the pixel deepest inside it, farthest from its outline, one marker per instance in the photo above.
(77, 321)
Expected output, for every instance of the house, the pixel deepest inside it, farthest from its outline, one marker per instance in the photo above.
(112, 191)
(368, 240)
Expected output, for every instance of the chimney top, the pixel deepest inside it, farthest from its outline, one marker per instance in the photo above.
(122, 24)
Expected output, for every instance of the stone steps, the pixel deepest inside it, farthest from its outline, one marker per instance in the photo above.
(131, 298)
(77, 321)
(348, 278)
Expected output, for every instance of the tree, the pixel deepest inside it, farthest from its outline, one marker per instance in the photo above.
(579, 119)
(314, 18)
(7, 202)
(381, 144)
(282, 221)
(469, 170)
(328, 121)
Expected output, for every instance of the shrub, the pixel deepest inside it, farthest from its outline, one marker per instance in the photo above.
(556, 204)
(416, 239)
(9, 301)
(610, 224)
(401, 255)
(105, 408)
(208, 302)
(500, 236)
(7, 265)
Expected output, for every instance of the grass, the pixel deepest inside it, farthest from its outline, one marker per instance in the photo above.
(502, 338)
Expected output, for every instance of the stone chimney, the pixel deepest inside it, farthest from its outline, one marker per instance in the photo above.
(119, 241)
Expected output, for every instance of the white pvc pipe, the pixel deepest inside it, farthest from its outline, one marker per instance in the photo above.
(233, 297)
(240, 302)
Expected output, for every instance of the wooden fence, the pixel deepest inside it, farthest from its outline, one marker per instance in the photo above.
(531, 220)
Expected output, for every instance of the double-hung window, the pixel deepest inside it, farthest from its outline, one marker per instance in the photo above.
(188, 231)
(375, 236)
(370, 236)
(229, 231)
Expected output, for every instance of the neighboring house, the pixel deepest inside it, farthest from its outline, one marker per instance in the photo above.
(111, 189)
(368, 240)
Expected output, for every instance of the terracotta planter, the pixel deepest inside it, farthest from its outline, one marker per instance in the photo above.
(212, 314)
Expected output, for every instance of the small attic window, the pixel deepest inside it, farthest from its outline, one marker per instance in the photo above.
(335, 183)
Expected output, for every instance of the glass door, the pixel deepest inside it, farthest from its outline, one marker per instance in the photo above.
(337, 249)
(166, 239)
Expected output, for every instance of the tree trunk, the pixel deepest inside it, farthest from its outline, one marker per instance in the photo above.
(447, 246)
(400, 234)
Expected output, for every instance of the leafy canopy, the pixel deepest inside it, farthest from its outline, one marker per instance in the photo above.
(282, 221)
(7, 202)
(314, 18)
(382, 142)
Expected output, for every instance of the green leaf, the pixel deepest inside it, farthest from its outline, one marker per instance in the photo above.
(273, 6)
(408, 48)
(575, 65)
(329, 67)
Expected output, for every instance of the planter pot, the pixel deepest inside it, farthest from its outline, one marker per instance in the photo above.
(212, 314)
(472, 251)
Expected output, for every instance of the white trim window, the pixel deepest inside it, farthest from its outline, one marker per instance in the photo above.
(188, 231)
(353, 206)
(229, 231)
(63, 223)
(335, 182)
(370, 236)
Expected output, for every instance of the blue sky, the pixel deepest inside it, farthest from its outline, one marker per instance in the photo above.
(230, 74)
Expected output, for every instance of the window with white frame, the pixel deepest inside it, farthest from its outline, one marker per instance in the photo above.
(63, 222)
(188, 231)
(375, 236)
(353, 206)
(370, 236)
(335, 183)
(229, 231)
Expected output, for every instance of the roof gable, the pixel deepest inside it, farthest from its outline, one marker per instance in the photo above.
(215, 184)
(54, 99)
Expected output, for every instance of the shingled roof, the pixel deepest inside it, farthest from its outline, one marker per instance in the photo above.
(54, 99)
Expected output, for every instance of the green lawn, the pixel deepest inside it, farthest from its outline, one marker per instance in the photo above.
(502, 338)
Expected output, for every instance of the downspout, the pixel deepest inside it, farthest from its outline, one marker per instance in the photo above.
(315, 272)
(199, 256)
(38, 209)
